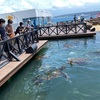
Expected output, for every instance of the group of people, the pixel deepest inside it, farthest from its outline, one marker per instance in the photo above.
(81, 18)
(21, 29)
(7, 31)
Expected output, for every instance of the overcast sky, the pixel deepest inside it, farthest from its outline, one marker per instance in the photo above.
(57, 6)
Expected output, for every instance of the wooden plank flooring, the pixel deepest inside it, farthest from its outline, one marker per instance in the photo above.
(11, 68)
(70, 35)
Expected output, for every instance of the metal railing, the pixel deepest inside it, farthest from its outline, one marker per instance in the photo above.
(62, 29)
(10, 49)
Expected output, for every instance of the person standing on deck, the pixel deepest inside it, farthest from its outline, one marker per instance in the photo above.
(2, 30)
(4, 37)
(11, 34)
(9, 29)
(28, 25)
(75, 18)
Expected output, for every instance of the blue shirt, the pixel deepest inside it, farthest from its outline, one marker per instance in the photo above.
(3, 33)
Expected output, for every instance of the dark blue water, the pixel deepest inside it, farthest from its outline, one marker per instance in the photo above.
(62, 19)
(84, 73)
(70, 18)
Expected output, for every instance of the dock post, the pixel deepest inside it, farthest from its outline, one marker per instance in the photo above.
(26, 41)
(75, 25)
(48, 30)
(20, 51)
(66, 29)
(36, 36)
(57, 28)
(85, 28)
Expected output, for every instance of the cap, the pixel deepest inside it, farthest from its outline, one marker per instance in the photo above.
(29, 20)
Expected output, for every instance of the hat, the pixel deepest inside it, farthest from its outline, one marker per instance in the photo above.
(29, 20)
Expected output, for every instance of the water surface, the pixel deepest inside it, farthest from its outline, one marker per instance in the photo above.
(84, 81)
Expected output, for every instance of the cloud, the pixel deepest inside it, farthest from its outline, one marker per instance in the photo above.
(70, 3)
(2, 1)
(16, 5)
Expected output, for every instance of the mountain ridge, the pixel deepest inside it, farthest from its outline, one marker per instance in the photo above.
(90, 12)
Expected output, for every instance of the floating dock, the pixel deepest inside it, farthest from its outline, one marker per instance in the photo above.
(11, 68)
(64, 36)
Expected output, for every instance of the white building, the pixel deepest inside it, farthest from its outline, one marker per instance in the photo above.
(40, 16)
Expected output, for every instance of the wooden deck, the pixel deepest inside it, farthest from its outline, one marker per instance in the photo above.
(11, 68)
(70, 35)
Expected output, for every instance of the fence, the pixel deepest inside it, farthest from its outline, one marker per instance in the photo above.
(10, 49)
(65, 28)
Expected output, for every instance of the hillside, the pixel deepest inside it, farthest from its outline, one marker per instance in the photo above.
(85, 13)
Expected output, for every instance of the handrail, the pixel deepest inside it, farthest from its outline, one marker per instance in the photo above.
(34, 31)
(74, 27)
(11, 48)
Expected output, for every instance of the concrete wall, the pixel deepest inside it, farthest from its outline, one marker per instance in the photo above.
(20, 15)
(43, 13)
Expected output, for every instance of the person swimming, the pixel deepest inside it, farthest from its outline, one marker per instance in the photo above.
(70, 61)
(78, 61)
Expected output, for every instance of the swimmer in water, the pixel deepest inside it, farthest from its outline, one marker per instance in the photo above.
(70, 61)
(78, 61)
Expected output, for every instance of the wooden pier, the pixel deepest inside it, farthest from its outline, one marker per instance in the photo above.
(11, 68)
(78, 30)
